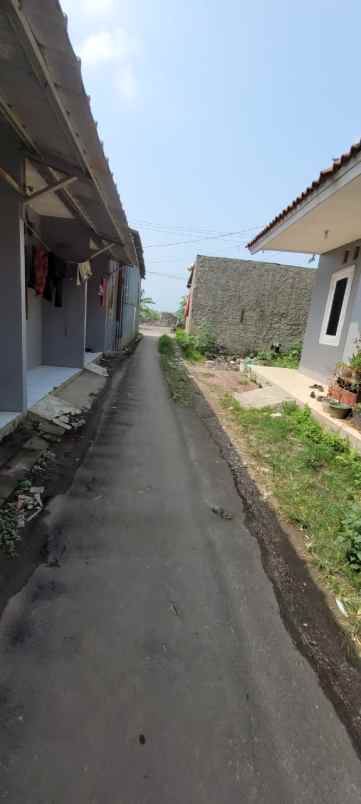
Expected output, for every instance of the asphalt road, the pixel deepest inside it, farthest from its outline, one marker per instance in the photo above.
(152, 666)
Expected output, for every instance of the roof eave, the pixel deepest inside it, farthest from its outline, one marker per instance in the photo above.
(265, 240)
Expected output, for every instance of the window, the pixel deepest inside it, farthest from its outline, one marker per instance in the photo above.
(335, 311)
(356, 253)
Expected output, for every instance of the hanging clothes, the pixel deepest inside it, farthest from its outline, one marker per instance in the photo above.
(84, 272)
(101, 291)
(29, 264)
(41, 270)
(57, 270)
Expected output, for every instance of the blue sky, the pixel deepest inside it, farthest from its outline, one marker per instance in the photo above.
(215, 115)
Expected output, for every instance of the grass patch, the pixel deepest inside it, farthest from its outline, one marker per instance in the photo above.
(287, 359)
(315, 476)
(176, 376)
(196, 347)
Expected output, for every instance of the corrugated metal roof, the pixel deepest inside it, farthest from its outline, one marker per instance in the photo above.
(43, 96)
(139, 249)
(322, 178)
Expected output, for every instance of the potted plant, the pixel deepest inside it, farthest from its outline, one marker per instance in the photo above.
(336, 409)
(346, 385)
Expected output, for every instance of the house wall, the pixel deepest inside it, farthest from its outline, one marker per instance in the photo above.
(95, 325)
(131, 295)
(248, 304)
(64, 327)
(34, 329)
(319, 360)
(13, 396)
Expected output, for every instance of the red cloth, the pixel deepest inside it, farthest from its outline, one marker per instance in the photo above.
(187, 307)
(41, 270)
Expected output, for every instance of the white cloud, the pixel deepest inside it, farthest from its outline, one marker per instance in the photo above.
(107, 46)
(115, 49)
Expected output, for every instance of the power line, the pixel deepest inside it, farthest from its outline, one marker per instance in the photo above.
(197, 240)
(192, 229)
(177, 277)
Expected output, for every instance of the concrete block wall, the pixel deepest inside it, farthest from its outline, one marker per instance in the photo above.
(248, 304)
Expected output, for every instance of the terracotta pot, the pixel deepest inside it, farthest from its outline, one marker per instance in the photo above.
(349, 397)
(335, 392)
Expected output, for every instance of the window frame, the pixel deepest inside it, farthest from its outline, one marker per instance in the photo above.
(343, 273)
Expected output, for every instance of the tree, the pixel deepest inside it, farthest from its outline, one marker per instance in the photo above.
(180, 311)
(145, 310)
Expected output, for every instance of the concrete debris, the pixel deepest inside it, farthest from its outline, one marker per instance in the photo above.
(94, 368)
(217, 509)
(29, 505)
(58, 411)
(269, 396)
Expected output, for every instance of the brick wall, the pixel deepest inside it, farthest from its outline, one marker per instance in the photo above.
(249, 304)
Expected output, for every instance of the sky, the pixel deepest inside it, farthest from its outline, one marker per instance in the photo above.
(215, 116)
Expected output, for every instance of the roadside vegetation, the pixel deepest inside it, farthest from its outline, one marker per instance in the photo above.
(146, 309)
(174, 371)
(315, 477)
(197, 347)
(290, 358)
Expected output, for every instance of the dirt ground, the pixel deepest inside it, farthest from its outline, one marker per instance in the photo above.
(218, 379)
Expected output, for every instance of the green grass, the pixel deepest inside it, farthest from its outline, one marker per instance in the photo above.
(176, 376)
(287, 359)
(188, 346)
(316, 479)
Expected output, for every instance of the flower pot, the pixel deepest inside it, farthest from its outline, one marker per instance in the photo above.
(349, 397)
(335, 392)
(338, 410)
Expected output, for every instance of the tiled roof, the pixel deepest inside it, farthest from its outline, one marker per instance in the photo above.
(323, 177)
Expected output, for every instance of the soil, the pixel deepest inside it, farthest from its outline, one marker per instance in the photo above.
(59, 470)
(227, 380)
(308, 610)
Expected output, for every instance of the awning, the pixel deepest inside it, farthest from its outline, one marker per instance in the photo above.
(43, 97)
(325, 216)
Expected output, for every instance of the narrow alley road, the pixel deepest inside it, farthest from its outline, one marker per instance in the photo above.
(152, 666)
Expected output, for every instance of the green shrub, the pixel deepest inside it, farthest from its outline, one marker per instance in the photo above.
(195, 347)
(166, 345)
(349, 538)
(290, 358)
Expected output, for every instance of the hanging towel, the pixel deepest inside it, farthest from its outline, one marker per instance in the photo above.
(54, 283)
(84, 272)
(41, 270)
(101, 291)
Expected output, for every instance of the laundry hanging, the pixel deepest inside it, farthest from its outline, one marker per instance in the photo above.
(57, 270)
(41, 270)
(84, 272)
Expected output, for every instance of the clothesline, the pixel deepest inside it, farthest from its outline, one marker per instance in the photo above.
(71, 262)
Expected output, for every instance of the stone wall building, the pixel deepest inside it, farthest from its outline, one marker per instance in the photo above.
(248, 305)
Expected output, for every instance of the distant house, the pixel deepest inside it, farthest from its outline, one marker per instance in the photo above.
(248, 305)
(326, 220)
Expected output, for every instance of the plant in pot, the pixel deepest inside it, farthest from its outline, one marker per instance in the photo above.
(347, 381)
(337, 409)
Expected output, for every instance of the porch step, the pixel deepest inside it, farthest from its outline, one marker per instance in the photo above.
(268, 396)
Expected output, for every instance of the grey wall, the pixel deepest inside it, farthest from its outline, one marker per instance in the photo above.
(64, 327)
(12, 275)
(249, 304)
(130, 312)
(319, 360)
(34, 329)
(95, 326)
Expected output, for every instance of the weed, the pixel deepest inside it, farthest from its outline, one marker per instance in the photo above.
(315, 477)
(8, 529)
(166, 345)
(287, 359)
(196, 347)
(174, 371)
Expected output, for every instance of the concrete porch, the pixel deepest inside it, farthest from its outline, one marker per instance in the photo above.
(295, 385)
